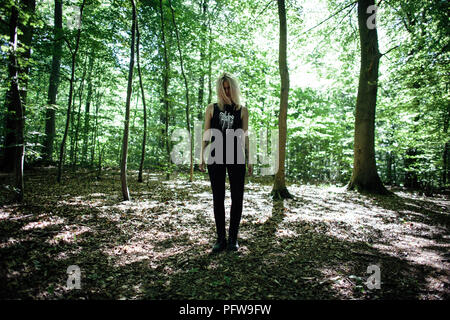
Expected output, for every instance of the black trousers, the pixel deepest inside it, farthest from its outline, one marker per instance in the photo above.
(236, 175)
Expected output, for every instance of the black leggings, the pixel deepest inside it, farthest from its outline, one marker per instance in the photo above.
(236, 175)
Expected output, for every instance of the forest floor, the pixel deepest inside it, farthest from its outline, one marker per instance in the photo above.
(157, 246)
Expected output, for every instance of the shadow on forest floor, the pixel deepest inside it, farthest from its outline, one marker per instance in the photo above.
(157, 246)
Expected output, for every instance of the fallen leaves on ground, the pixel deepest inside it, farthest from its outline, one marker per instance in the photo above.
(318, 245)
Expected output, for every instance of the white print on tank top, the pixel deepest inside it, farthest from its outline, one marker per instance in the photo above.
(226, 120)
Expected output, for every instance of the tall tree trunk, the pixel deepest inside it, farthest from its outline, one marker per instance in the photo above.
(69, 104)
(78, 114)
(446, 153)
(210, 41)
(279, 190)
(77, 130)
(72, 127)
(24, 43)
(100, 153)
(15, 106)
(95, 133)
(144, 137)
(201, 80)
(394, 169)
(20, 50)
(87, 110)
(365, 176)
(16, 96)
(53, 85)
(133, 126)
(188, 122)
(446, 170)
(123, 164)
(165, 83)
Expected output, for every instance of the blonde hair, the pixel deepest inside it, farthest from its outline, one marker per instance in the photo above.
(234, 91)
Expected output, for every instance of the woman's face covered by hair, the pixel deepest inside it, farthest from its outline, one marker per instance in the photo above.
(228, 90)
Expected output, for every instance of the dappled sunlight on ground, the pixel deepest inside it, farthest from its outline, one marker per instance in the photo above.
(43, 223)
(315, 246)
(360, 220)
(70, 235)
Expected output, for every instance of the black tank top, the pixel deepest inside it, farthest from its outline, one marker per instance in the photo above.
(227, 119)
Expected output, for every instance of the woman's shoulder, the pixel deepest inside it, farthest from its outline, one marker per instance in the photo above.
(210, 109)
(244, 111)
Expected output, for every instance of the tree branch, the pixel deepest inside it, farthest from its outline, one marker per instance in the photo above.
(337, 12)
(340, 21)
(393, 48)
(262, 11)
(68, 45)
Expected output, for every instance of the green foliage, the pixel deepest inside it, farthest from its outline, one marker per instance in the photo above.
(241, 37)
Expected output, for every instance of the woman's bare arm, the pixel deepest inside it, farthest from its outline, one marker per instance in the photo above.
(206, 137)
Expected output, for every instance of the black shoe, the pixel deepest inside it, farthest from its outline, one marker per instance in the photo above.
(220, 245)
(232, 245)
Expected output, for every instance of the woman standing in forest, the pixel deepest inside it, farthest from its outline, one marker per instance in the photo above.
(220, 117)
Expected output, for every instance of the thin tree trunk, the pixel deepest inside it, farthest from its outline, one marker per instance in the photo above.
(72, 128)
(95, 133)
(365, 176)
(77, 128)
(394, 169)
(144, 137)
(123, 165)
(188, 123)
(87, 110)
(446, 171)
(53, 84)
(201, 88)
(279, 190)
(165, 83)
(133, 126)
(209, 61)
(446, 155)
(100, 153)
(69, 106)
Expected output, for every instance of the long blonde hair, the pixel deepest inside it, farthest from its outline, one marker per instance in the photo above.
(234, 91)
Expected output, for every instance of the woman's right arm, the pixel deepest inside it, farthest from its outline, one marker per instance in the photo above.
(206, 137)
